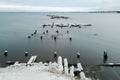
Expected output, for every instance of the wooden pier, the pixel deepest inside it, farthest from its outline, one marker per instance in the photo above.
(110, 64)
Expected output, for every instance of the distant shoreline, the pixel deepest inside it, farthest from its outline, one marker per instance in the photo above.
(65, 12)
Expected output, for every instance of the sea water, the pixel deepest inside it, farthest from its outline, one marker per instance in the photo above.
(89, 41)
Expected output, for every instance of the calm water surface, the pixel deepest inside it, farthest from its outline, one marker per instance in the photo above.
(15, 27)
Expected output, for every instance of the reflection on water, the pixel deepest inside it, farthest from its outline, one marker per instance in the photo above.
(104, 60)
(94, 68)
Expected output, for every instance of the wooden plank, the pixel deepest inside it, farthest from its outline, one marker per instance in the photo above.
(32, 59)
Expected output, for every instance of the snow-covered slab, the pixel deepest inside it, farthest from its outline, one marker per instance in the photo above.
(32, 59)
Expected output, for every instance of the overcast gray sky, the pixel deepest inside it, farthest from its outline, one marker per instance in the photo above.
(59, 5)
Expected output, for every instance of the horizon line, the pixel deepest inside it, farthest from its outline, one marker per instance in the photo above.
(67, 11)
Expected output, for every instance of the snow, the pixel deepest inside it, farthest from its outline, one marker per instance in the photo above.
(6, 51)
(78, 53)
(82, 75)
(37, 71)
(40, 71)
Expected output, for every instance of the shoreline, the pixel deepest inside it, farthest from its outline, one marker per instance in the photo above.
(42, 71)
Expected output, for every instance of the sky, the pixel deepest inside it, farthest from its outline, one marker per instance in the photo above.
(58, 5)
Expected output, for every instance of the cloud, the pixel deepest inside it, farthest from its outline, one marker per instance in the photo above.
(42, 8)
(58, 5)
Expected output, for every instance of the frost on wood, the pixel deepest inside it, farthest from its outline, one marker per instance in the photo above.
(60, 66)
(72, 71)
(32, 59)
(66, 66)
(79, 66)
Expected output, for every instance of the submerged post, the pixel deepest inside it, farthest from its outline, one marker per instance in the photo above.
(78, 55)
(70, 38)
(55, 54)
(52, 25)
(67, 31)
(55, 38)
(6, 53)
(26, 54)
(31, 34)
(41, 37)
(28, 37)
(46, 31)
(105, 55)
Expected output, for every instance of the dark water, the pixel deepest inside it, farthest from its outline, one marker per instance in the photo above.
(15, 27)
